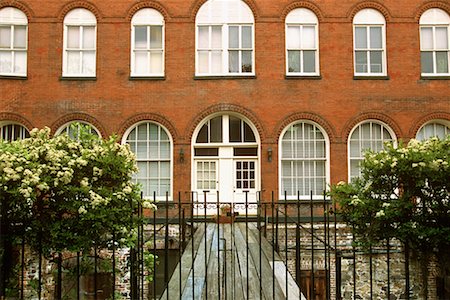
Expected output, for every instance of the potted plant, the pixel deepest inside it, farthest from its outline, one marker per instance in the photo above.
(226, 214)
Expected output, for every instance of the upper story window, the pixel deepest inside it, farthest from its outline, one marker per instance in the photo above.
(435, 42)
(13, 42)
(437, 128)
(304, 163)
(73, 129)
(302, 38)
(369, 135)
(79, 57)
(225, 39)
(12, 132)
(369, 43)
(147, 43)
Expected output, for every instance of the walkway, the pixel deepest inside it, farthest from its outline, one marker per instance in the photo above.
(225, 268)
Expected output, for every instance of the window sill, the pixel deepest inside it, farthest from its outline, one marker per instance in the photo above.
(76, 78)
(432, 77)
(224, 77)
(133, 78)
(371, 77)
(14, 77)
(303, 77)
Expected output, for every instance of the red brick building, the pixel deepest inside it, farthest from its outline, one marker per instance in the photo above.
(230, 95)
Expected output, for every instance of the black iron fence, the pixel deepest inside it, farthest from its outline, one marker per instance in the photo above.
(257, 248)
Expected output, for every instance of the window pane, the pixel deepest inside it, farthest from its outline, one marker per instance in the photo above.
(89, 62)
(441, 38)
(203, 62)
(293, 37)
(309, 37)
(88, 37)
(216, 37)
(216, 130)
(361, 37)
(375, 37)
(164, 151)
(140, 37)
(309, 61)
(20, 37)
(442, 62)
(426, 61)
(246, 37)
(156, 62)
(202, 136)
(426, 38)
(294, 61)
(203, 37)
(233, 37)
(233, 61)
(248, 134)
(5, 37)
(235, 130)
(361, 61)
(246, 61)
(73, 37)
(153, 132)
(155, 37)
(20, 64)
(216, 61)
(73, 62)
(375, 62)
(141, 63)
(5, 62)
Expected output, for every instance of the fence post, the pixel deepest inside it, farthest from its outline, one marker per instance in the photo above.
(338, 275)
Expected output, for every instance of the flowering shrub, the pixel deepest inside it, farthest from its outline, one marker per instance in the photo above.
(65, 194)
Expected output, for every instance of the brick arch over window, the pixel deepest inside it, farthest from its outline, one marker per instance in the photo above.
(5, 116)
(19, 5)
(370, 4)
(147, 4)
(198, 3)
(370, 116)
(148, 117)
(418, 123)
(433, 4)
(302, 4)
(78, 117)
(224, 108)
(329, 129)
(79, 4)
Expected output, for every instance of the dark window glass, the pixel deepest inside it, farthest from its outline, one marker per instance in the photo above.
(248, 134)
(235, 130)
(202, 136)
(206, 151)
(245, 151)
(216, 130)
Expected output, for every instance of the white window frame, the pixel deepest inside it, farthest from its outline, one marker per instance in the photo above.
(81, 18)
(435, 18)
(24, 132)
(370, 18)
(147, 17)
(434, 123)
(65, 128)
(326, 159)
(12, 18)
(301, 17)
(217, 13)
(360, 157)
(170, 159)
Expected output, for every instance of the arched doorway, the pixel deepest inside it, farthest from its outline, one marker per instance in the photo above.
(225, 161)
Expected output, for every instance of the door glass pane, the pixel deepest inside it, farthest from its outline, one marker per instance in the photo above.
(246, 61)
(426, 38)
(88, 37)
(441, 38)
(140, 37)
(233, 61)
(233, 37)
(293, 37)
(203, 62)
(294, 61)
(5, 37)
(155, 37)
(216, 130)
(156, 62)
(246, 37)
(442, 62)
(375, 62)
(309, 37)
(5, 62)
(375, 38)
(20, 37)
(309, 61)
(216, 37)
(426, 61)
(235, 130)
(73, 37)
(141, 62)
(203, 37)
(361, 61)
(361, 37)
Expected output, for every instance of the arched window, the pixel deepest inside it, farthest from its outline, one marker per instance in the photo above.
(436, 128)
(302, 43)
(304, 163)
(152, 145)
(73, 128)
(13, 131)
(368, 135)
(369, 43)
(224, 38)
(435, 42)
(13, 42)
(147, 43)
(79, 57)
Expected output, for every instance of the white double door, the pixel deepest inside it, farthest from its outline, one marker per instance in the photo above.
(226, 179)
